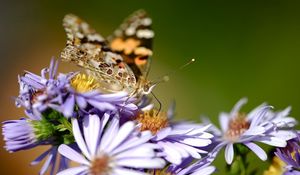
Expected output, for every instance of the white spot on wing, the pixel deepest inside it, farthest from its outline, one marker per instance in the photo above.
(145, 33)
(85, 27)
(130, 31)
(147, 22)
(79, 35)
(95, 37)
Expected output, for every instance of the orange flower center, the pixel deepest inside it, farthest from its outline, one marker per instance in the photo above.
(237, 126)
(153, 121)
(160, 172)
(100, 166)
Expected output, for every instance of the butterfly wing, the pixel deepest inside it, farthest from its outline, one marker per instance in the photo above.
(133, 40)
(89, 50)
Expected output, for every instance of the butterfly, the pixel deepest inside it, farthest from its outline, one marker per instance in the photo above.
(119, 62)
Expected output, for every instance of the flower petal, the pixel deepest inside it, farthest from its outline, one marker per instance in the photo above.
(74, 171)
(273, 141)
(224, 121)
(71, 154)
(79, 140)
(68, 106)
(124, 131)
(142, 163)
(257, 150)
(238, 106)
(124, 171)
(91, 127)
(229, 153)
(205, 171)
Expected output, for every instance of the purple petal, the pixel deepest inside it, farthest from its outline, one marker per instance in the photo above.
(171, 154)
(229, 153)
(107, 136)
(91, 128)
(257, 150)
(260, 114)
(125, 171)
(142, 163)
(72, 154)
(75, 171)
(273, 141)
(125, 130)
(205, 171)
(79, 140)
(224, 121)
(238, 106)
(258, 130)
(162, 134)
(102, 105)
(191, 150)
(41, 157)
(81, 102)
(133, 142)
(47, 163)
(68, 107)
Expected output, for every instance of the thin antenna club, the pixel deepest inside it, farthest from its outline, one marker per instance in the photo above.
(166, 77)
(188, 63)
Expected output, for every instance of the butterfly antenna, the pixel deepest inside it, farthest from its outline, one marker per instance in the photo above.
(166, 77)
(158, 102)
(188, 63)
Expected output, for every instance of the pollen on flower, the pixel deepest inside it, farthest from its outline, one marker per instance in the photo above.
(152, 121)
(84, 83)
(160, 172)
(276, 168)
(100, 165)
(237, 126)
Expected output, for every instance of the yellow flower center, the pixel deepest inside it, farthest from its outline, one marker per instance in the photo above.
(84, 83)
(153, 121)
(276, 168)
(160, 172)
(237, 126)
(100, 166)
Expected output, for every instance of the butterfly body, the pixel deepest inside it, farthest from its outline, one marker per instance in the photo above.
(119, 63)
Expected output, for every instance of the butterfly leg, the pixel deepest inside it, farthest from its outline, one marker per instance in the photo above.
(158, 102)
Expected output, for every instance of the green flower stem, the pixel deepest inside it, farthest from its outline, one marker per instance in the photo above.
(239, 165)
(66, 123)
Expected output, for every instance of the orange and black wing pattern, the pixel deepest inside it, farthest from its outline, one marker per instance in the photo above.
(133, 40)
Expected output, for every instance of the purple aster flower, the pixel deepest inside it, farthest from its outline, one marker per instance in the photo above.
(291, 156)
(37, 92)
(66, 92)
(260, 125)
(22, 135)
(83, 91)
(110, 149)
(202, 167)
(177, 140)
(18, 135)
(51, 157)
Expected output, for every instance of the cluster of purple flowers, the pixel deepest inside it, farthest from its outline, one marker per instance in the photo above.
(115, 134)
(106, 133)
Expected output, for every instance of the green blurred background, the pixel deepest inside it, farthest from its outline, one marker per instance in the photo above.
(242, 49)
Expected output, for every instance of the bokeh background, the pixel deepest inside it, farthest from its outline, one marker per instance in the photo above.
(242, 49)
